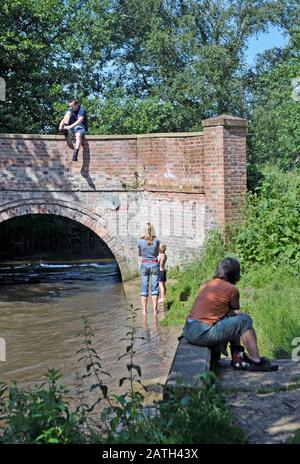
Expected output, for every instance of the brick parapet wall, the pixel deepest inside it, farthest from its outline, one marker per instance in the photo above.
(184, 183)
(163, 162)
(224, 139)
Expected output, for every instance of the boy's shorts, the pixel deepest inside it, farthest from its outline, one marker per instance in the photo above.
(79, 129)
(162, 276)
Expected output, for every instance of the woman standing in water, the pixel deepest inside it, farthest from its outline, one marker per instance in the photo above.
(148, 246)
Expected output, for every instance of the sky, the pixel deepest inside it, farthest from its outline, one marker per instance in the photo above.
(273, 38)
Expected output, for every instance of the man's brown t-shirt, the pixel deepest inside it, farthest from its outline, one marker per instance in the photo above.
(215, 298)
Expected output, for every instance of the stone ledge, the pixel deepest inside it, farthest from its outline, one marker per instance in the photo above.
(102, 137)
(225, 120)
(189, 362)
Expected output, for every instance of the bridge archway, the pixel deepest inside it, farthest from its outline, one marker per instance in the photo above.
(76, 213)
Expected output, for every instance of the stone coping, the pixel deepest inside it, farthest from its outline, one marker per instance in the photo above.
(102, 137)
(189, 362)
(226, 121)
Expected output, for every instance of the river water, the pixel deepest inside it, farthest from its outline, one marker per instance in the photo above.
(41, 310)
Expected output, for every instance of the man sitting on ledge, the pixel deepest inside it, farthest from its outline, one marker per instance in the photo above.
(75, 120)
(216, 319)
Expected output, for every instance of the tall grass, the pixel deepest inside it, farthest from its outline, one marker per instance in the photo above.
(267, 245)
(271, 297)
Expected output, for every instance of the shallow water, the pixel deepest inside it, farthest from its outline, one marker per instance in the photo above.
(41, 310)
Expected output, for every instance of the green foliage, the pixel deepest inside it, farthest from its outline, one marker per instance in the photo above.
(267, 245)
(93, 369)
(295, 440)
(190, 277)
(119, 113)
(126, 412)
(40, 415)
(174, 49)
(272, 298)
(148, 66)
(195, 417)
(270, 232)
(274, 133)
(31, 32)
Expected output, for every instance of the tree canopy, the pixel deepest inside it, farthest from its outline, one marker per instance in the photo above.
(156, 65)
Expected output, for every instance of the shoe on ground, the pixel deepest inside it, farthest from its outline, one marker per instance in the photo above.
(240, 360)
(264, 365)
(75, 155)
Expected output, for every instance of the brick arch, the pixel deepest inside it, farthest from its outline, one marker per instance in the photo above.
(76, 213)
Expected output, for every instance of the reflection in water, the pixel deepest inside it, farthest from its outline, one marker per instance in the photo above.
(41, 310)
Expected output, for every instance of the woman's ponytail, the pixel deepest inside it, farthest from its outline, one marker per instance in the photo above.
(149, 234)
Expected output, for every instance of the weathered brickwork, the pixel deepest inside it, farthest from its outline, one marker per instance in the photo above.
(224, 139)
(183, 183)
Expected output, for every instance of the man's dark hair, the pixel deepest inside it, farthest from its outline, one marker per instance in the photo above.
(228, 269)
(73, 100)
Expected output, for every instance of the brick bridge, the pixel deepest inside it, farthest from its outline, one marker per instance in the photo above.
(183, 183)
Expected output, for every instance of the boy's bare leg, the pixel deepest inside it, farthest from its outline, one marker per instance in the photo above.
(78, 140)
(144, 303)
(78, 144)
(161, 292)
(154, 302)
(250, 342)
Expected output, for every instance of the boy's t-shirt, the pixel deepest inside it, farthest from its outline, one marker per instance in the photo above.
(215, 298)
(76, 114)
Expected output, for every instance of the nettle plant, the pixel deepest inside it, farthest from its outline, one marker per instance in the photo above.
(117, 411)
(39, 415)
(43, 413)
(270, 232)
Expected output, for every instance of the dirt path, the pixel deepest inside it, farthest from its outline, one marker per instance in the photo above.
(266, 405)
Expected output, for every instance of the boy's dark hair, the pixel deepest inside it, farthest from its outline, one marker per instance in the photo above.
(228, 269)
(73, 100)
